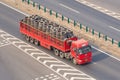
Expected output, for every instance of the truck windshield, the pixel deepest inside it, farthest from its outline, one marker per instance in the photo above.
(84, 50)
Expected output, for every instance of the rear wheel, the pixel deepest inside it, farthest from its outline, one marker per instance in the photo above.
(56, 52)
(62, 55)
(74, 61)
(27, 38)
(67, 56)
(31, 40)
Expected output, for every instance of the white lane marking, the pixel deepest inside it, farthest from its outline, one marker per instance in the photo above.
(17, 42)
(23, 45)
(108, 12)
(78, 78)
(30, 49)
(5, 44)
(46, 61)
(62, 69)
(106, 53)
(65, 74)
(14, 8)
(34, 53)
(69, 8)
(114, 28)
(60, 65)
(39, 57)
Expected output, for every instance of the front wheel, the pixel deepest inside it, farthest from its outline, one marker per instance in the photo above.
(74, 61)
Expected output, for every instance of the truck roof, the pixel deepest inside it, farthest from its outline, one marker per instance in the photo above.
(80, 43)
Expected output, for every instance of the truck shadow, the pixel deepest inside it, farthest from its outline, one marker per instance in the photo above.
(98, 56)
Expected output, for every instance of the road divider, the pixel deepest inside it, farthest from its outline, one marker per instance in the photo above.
(102, 41)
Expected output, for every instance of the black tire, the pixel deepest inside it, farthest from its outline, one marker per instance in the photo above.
(36, 42)
(31, 40)
(27, 38)
(62, 55)
(74, 61)
(56, 52)
(67, 56)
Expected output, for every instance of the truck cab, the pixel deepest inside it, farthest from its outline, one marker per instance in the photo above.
(81, 52)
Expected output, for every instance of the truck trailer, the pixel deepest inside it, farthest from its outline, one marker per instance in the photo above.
(62, 41)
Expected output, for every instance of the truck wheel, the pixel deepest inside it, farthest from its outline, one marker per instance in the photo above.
(67, 56)
(62, 55)
(31, 40)
(37, 42)
(27, 38)
(56, 52)
(74, 61)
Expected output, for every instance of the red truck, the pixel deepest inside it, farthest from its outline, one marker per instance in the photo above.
(41, 31)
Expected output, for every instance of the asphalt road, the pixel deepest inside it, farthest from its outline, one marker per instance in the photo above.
(103, 66)
(108, 4)
(85, 15)
(16, 65)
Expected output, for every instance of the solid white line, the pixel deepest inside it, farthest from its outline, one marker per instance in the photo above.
(106, 53)
(14, 9)
(69, 8)
(114, 28)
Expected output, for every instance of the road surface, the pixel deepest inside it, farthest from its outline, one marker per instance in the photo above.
(108, 4)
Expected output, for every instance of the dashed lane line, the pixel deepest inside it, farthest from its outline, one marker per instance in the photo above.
(108, 12)
(69, 8)
(114, 28)
(66, 73)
